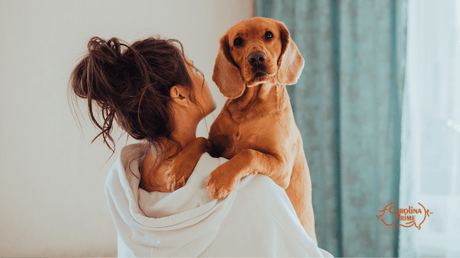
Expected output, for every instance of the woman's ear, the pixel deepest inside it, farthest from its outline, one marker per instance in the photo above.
(180, 95)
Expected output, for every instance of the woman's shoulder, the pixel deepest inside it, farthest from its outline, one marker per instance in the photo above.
(133, 151)
(263, 191)
(207, 164)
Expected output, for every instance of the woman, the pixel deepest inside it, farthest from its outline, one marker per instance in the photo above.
(154, 93)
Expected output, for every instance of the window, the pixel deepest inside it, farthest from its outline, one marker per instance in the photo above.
(430, 163)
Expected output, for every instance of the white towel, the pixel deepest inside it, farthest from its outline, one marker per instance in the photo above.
(257, 219)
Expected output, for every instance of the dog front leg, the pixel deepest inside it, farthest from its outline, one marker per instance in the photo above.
(224, 178)
(182, 166)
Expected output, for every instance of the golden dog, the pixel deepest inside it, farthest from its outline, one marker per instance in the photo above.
(255, 130)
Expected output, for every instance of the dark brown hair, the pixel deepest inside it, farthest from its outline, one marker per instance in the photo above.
(131, 85)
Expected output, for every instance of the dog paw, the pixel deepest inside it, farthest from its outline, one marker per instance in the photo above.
(220, 185)
(174, 180)
(177, 175)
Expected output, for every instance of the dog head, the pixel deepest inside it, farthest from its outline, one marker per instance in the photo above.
(255, 51)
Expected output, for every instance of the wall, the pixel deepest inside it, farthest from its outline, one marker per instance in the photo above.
(52, 179)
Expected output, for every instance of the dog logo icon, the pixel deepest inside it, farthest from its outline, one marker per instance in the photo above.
(404, 217)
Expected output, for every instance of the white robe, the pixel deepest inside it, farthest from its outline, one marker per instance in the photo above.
(257, 219)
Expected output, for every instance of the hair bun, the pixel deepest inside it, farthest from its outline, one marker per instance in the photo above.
(97, 75)
(105, 50)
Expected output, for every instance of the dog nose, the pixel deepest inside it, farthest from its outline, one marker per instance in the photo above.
(257, 58)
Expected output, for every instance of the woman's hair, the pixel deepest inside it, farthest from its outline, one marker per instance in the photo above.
(131, 85)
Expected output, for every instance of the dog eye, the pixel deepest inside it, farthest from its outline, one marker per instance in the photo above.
(268, 35)
(238, 42)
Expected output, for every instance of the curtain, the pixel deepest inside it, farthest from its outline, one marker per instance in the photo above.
(430, 162)
(347, 105)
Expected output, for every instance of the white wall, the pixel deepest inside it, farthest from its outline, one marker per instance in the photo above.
(52, 200)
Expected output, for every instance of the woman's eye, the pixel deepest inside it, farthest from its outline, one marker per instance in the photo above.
(268, 35)
(238, 42)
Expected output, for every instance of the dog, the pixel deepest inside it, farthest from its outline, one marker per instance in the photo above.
(255, 130)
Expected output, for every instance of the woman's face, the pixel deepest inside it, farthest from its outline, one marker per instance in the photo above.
(203, 97)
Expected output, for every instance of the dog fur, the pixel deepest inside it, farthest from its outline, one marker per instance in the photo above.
(255, 130)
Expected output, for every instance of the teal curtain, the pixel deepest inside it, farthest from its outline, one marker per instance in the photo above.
(347, 104)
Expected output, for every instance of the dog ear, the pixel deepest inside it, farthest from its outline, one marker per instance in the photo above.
(290, 62)
(226, 74)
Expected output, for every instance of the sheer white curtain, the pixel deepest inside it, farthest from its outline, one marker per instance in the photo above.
(430, 163)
